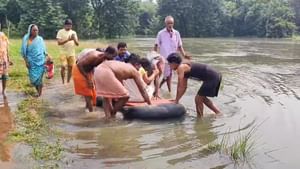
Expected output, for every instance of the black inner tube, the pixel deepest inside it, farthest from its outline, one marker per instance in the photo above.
(157, 112)
(153, 112)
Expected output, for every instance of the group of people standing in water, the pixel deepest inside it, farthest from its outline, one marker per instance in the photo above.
(117, 75)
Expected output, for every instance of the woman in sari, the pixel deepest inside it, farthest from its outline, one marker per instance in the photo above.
(33, 51)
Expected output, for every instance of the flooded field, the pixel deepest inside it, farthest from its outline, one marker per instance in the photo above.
(260, 88)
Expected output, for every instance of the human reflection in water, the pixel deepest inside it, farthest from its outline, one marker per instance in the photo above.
(6, 124)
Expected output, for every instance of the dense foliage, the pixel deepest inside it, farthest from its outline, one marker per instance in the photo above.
(116, 18)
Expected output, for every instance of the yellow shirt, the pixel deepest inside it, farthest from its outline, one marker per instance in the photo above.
(142, 71)
(68, 48)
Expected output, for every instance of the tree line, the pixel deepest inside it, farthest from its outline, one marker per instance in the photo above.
(116, 18)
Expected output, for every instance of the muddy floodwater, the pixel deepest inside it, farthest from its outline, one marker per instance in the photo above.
(260, 88)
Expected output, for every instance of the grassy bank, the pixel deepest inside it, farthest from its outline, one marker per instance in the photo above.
(31, 125)
(32, 129)
(18, 72)
(296, 37)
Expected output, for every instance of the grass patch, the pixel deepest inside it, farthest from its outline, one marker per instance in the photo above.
(32, 129)
(240, 149)
(296, 36)
(18, 72)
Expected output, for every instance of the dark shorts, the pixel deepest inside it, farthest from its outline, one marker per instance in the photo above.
(3, 77)
(210, 88)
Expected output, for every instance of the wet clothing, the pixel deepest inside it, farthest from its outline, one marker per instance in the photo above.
(3, 56)
(210, 77)
(134, 92)
(80, 84)
(107, 84)
(35, 54)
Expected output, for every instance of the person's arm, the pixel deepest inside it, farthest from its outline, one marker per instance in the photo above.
(8, 57)
(141, 87)
(62, 42)
(26, 62)
(75, 39)
(182, 84)
(44, 49)
(156, 87)
(23, 52)
(85, 75)
(180, 47)
(148, 79)
(59, 39)
(181, 50)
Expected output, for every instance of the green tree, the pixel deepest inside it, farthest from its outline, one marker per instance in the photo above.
(228, 14)
(147, 19)
(2, 13)
(47, 14)
(115, 17)
(205, 18)
(193, 18)
(81, 13)
(296, 7)
(279, 19)
(181, 11)
(13, 11)
(198, 18)
(263, 18)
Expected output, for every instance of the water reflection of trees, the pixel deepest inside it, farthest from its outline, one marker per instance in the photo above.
(6, 124)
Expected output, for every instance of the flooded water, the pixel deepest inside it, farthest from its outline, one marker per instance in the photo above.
(7, 107)
(261, 87)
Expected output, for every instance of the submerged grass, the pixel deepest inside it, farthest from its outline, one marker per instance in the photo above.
(240, 149)
(243, 147)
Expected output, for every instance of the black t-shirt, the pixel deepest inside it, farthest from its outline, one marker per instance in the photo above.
(201, 72)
